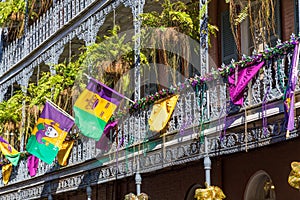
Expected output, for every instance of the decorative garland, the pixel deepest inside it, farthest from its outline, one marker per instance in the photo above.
(269, 53)
(197, 81)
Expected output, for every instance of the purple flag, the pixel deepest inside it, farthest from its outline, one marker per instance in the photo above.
(49, 133)
(105, 138)
(289, 98)
(32, 164)
(104, 91)
(236, 91)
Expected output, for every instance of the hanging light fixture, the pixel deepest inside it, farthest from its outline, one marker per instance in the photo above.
(269, 189)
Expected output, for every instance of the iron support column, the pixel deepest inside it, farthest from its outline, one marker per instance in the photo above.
(207, 163)
(89, 192)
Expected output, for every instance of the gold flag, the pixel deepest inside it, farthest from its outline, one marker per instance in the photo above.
(294, 177)
(6, 172)
(64, 152)
(161, 113)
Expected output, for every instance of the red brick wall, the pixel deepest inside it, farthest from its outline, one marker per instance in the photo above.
(231, 172)
(287, 18)
(275, 160)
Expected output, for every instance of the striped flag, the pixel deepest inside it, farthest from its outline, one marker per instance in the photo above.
(94, 107)
(9, 152)
(49, 133)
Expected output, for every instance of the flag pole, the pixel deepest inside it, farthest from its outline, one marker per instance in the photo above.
(122, 95)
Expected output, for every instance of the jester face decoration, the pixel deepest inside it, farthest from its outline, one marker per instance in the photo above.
(45, 130)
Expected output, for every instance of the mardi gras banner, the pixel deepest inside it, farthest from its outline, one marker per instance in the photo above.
(32, 165)
(64, 152)
(9, 152)
(6, 172)
(161, 113)
(289, 97)
(49, 133)
(244, 75)
(94, 107)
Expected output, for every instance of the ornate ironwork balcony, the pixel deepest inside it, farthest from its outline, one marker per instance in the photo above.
(180, 143)
(58, 16)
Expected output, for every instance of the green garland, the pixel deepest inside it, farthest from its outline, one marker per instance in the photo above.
(269, 53)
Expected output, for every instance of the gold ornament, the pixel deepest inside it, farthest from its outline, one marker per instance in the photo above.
(210, 193)
(294, 177)
(143, 196)
(131, 196)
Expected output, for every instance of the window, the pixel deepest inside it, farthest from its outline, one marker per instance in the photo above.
(191, 192)
(249, 43)
(260, 187)
(296, 16)
(229, 50)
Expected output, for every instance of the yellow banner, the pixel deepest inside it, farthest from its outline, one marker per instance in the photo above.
(5, 149)
(6, 172)
(161, 113)
(64, 152)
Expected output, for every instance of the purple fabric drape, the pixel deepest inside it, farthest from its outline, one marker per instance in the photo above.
(236, 88)
(32, 164)
(289, 99)
(104, 140)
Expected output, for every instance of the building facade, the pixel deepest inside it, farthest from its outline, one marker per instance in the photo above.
(252, 159)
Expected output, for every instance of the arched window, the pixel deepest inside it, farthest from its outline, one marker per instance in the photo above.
(260, 187)
(191, 192)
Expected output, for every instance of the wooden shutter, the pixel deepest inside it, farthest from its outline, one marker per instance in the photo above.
(296, 16)
(273, 38)
(229, 50)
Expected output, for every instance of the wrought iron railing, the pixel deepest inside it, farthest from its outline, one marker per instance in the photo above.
(189, 114)
(60, 14)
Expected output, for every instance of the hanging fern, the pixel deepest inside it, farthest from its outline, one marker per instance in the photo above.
(261, 15)
(241, 16)
(12, 15)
